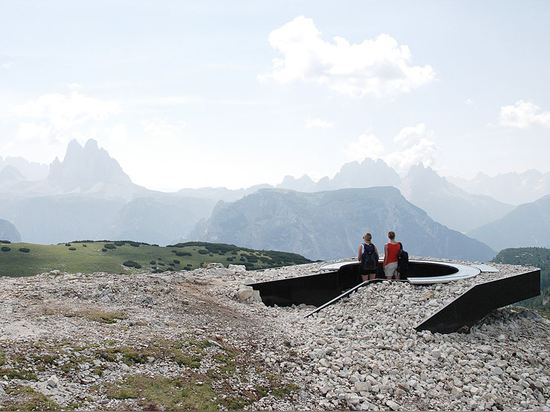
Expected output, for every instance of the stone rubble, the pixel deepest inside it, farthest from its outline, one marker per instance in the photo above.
(361, 353)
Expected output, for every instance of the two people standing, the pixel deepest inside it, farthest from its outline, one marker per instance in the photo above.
(368, 257)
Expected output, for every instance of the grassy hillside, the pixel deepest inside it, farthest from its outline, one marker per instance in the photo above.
(533, 256)
(22, 259)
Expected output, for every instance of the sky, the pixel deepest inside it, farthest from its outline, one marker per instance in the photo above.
(217, 93)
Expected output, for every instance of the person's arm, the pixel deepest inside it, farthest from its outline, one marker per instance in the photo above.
(385, 254)
(359, 253)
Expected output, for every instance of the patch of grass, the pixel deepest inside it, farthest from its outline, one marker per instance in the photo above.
(98, 315)
(41, 361)
(25, 398)
(236, 403)
(282, 391)
(13, 373)
(184, 353)
(161, 393)
(106, 256)
(191, 361)
(227, 362)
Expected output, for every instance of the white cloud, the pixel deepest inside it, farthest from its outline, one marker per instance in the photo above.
(376, 67)
(412, 145)
(317, 123)
(44, 125)
(366, 145)
(64, 111)
(523, 114)
(161, 129)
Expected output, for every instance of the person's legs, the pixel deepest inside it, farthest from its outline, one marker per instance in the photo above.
(372, 275)
(365, 277)
(389, 270)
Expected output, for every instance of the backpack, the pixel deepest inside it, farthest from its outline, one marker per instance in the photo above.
(402, 262)
(369, 258)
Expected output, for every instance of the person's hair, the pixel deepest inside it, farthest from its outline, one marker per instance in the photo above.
(367, 237)
(391, 234)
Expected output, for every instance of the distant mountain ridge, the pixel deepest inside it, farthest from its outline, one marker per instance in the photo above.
(444, 202)
(448, 204)
(514, 188)
(87, 195)
(527, 225)
(327, 225)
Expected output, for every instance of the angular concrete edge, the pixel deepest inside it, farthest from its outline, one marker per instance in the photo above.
(478, 301)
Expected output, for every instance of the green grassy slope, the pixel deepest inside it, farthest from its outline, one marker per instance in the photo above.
(106, 256)
(532, 256)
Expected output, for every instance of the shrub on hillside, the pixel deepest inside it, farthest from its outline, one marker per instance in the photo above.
(5, 249)
(176, 261)
(72, 248)
(24, 249)
(103, 250)
(5, 241)
(119, 243)
(153, 262)
(67, 244)
(109, 246)
(183, 254)
(202, 252)
(84, 245)
(131, 264)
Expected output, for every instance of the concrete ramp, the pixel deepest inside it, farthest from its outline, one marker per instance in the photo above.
(478, 301)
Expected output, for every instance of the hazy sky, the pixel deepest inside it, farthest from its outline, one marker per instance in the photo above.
(233, 93)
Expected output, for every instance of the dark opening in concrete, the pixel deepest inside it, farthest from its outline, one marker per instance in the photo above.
(320, 288)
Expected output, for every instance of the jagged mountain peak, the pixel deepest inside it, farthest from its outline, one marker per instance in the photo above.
(86, 167)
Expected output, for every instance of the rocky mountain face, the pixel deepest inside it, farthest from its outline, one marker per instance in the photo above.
(90, 169)
(8, 231)
(327, 225)
(514, 188)
(526, 225)
(448, 204)
(422, 186)
(368, 173)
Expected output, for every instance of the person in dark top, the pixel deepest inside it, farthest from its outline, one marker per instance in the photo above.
(367, 255)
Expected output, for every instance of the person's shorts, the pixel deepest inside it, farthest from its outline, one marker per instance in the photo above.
(389, 269)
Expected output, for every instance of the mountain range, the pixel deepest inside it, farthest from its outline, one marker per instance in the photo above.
(87, 195)
(514, 188)
(527, 225)
(330, 224)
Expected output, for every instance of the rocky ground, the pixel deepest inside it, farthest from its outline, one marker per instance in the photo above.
(200, 340)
